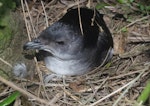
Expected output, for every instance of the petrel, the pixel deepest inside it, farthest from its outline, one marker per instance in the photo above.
(77, 43)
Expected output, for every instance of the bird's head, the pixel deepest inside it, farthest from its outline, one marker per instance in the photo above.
(70, 36)
(60, 40)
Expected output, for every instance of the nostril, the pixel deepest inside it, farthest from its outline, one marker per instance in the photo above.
(37, 41)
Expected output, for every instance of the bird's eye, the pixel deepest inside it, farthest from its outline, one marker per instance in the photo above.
(60, 42)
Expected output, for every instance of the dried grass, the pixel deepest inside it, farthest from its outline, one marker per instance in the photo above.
(117, 84)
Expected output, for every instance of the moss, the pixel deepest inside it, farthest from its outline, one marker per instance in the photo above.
(6, 32)
(6, 28)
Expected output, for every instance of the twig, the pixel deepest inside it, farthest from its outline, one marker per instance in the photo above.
(64, 87)
(80, 21)
(143, 18)
(111, 94)
(2, 60)
(95, 91)
(15, 87)
(55, 99)
(132, 83)
(46, 19)
(25, 20)
(88, 4)
(118, 90)
(35, 59)
(72, 96)
(30, 19)
(67, 4)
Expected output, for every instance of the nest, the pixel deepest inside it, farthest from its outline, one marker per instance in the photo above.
(118, 83)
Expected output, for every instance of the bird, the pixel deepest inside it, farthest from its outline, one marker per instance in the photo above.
(77, 43)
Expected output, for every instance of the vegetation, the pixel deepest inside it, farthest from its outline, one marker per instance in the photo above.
(5, 22)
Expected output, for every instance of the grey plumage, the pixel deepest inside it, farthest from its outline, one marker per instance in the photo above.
(20, 70)
(67, 51)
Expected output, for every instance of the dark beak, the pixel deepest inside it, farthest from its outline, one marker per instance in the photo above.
(35, 44)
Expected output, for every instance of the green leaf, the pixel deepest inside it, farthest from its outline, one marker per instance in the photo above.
(108, 64)
(145, 94)
(122, 1)
(142, 8)
(147, 8)
(100, 5)
(10, 99)
(124, 29)
(131, 1)
(1, 4)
